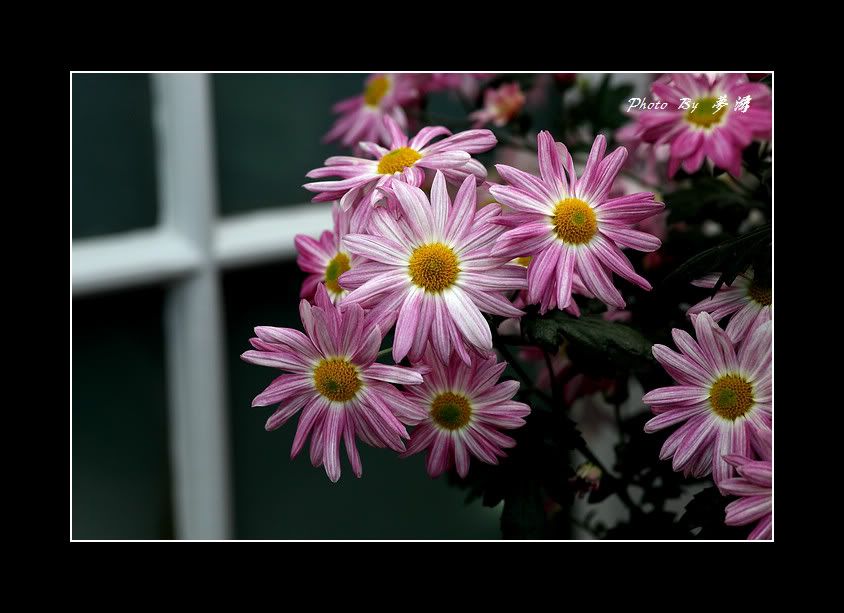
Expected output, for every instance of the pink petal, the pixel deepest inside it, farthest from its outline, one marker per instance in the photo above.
(627, 237)
(440, 205)
(676, 395)
(675, 416)
(747, 510)
(311, 415)
(468, 319)
(282, 388)
(462, 212)
(682, 369)
(565, 275)
(285, 412)
(393, 374)
(377, 248)
(596, 279)
(426, 134)
(407, 323)
(351, 448)
(550, 165)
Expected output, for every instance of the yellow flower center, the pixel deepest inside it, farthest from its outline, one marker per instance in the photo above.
(731, 396)
(451, 411)
(705, 115)
(433, 267)
(762, 295)
(397, 160)
(574, 221)
(335, 268)
(524, 260)
(375, 90)
(336, 379)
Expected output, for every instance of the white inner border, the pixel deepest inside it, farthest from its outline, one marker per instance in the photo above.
(187, 251)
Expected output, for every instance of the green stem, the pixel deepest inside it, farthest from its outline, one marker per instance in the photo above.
(618, 422)
(517, 368)
(552, 378)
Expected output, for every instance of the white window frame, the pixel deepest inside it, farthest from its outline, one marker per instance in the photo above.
(186, 253)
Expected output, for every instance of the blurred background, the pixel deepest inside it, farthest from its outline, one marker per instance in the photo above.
(186, 196)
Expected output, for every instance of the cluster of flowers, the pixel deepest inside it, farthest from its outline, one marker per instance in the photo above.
(429, 265)
(723, 394)
(411, 251)
(361, 118)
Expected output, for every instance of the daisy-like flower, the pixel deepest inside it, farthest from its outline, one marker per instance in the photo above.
(433, 271)
(459, 411)
(325, 259)
(334, 380)
(718, 128)
(570, 225)
(362, 117)
(364, 180)
(754, 488)
(747, 302)
(721, 397)
(500, 105)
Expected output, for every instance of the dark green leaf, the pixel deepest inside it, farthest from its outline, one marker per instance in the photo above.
(597, 346)
(732, 257)
(706, 198)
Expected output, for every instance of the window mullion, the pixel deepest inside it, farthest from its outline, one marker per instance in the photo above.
(193, 312)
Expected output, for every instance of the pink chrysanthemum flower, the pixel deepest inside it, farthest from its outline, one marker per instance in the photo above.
(458, 411)
(325, 259)
(754, 486)
(433, 271)
(570, 225)
(405, 161)
(334, 380)
(747, 302)
(362, 117)
(500, 105)
(711, 130)
(721, 396)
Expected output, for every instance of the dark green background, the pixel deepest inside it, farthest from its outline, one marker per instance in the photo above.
(268, 131)
(121, 483)
(114, 178)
